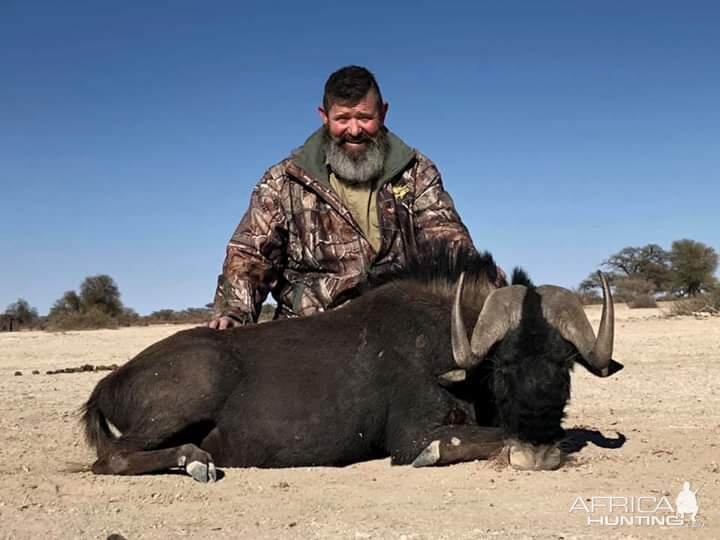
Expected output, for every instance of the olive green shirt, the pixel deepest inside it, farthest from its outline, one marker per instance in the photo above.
(361, 200)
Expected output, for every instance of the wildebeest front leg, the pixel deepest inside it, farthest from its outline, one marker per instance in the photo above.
(458, 443)
(196, 462)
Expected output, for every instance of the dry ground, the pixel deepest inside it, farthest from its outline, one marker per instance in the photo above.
(665, 405)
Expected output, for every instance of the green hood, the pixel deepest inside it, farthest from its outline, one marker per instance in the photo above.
(310, 157)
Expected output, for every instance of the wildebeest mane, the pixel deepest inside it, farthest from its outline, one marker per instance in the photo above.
(438, 267)
(520, 277)
(444, 262)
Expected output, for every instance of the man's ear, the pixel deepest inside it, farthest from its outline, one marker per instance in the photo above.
(383, 111)
(323, 115)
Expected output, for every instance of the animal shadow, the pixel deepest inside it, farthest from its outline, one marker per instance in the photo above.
(578, 438)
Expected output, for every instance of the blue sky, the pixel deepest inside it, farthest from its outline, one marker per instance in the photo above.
(131, 133)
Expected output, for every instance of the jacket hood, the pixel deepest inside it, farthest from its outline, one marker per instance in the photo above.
(310, 157)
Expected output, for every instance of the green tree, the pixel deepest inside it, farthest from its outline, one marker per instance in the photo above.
(22, 312)
(100, 293)
(650, 263)
(693, 267)
(68, 303)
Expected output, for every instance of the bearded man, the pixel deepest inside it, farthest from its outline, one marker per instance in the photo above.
(353, 203)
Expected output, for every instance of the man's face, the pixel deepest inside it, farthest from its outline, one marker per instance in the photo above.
(353, 127)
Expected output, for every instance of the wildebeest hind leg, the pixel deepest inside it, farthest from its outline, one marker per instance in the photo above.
(459, 443)
(196, 462)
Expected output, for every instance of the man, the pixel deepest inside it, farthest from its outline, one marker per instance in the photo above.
(686, 502)
(353, 202)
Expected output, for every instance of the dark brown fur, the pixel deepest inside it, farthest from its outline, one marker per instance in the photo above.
(360, 382)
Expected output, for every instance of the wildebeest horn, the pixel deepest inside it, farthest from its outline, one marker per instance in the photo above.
(603, 349)
(563, 310)
(458, 334)
(500, 312)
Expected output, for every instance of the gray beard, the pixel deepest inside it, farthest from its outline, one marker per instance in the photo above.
(361, 168)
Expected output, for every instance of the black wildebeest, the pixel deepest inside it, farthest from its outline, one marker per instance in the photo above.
(393, 372)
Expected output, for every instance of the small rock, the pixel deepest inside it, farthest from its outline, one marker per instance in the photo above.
(18, 373)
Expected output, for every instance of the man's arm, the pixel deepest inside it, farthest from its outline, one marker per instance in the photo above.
(254, 259)
(436, 217)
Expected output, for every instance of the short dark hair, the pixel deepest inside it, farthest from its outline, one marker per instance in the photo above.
(348, 85)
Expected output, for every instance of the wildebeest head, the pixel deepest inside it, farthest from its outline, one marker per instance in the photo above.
(532, 336)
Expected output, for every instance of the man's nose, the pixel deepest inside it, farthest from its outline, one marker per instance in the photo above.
(354, 129)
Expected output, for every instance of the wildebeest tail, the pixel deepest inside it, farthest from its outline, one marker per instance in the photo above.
(97, 431)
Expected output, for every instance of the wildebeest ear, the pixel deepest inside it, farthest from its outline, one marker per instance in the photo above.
(612, 369)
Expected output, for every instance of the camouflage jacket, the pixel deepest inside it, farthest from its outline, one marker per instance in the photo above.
(298, 242)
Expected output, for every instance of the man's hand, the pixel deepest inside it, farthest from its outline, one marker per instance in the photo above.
(223, 322)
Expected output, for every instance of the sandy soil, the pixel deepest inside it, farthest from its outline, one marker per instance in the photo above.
(644, 432)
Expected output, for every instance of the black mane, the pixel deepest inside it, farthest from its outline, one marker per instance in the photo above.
(520, 277)
(443, 262)
(438, 269)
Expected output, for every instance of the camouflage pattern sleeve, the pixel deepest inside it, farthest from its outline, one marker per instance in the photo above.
(255, 254)
(435, 214)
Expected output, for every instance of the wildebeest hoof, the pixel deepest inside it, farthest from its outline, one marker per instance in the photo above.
(528, 457)
(202, 472)
(429, 456)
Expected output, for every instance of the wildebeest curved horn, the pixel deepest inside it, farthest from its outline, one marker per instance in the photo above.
(500, 312)
(458, 334)
(603, 349)
(563, 310)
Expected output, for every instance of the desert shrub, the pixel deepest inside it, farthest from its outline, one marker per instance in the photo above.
(641, 301)
(171, 316)
(705, 303)
(92, 319)
(194, 316)
(636, 291)
(162, 316)
(130, 317)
